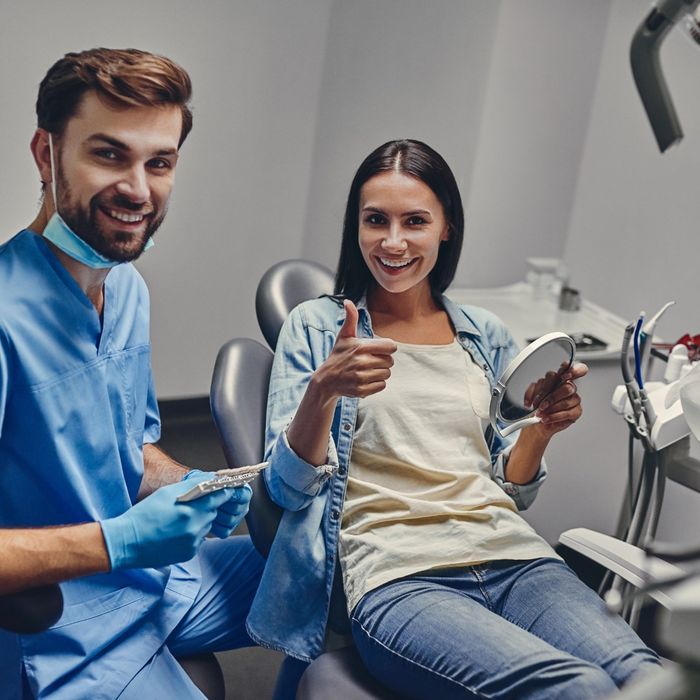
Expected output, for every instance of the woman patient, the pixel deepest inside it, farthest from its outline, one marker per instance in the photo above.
(451, 594)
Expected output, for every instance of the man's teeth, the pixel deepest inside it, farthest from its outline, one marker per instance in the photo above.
(395, 263)
(126, 218)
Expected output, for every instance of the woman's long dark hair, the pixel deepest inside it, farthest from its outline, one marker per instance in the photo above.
(415, 159)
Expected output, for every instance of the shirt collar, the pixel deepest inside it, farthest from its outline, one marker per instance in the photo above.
(459, 318)
(461, 322)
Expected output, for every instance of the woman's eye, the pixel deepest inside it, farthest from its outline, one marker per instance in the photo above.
(374, 219)
(416, 221)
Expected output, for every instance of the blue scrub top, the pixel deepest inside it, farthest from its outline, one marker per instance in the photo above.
(77, 403)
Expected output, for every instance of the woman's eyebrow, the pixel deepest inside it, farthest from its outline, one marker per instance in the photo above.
(413, 212)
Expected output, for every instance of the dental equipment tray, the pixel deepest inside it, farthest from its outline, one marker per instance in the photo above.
(584, 342)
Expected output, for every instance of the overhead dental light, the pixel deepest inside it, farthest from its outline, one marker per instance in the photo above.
(646, 66)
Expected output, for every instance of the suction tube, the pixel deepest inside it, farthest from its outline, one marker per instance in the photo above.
(646, 69)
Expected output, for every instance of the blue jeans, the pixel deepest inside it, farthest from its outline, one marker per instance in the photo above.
(509, 629)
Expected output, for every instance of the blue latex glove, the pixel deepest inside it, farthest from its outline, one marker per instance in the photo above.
(158, 531)
(232, 511)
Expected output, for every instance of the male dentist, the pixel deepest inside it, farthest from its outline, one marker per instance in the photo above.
(85, 495)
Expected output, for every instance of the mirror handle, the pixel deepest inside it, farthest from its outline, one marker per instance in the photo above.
(505, 432)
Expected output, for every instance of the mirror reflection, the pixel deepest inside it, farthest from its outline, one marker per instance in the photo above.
(534, 380)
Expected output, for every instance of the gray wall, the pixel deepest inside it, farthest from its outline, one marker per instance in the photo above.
(533, 124)
(531, 102)
(395, 69)
(632, 241)
(240, 199)
(289, 97)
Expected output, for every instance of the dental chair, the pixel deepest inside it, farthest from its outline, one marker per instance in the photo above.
(238, 402)
(590, 554)
(285, 285)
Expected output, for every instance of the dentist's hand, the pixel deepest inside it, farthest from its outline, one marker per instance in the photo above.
(356, 366)
(158, 531)
(230, 514)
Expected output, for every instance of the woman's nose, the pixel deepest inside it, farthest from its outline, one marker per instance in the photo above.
(394, 240)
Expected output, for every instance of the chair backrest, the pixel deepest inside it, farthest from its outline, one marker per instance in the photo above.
(238, 400)
(285, 285)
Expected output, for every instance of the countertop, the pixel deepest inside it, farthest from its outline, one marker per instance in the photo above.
(528, 317)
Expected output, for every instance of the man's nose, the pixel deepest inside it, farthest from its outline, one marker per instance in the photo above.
(134, 185)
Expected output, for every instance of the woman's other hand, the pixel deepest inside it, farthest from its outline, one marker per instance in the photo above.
(562, 407)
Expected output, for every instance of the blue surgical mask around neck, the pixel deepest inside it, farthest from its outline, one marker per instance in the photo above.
(63, 237)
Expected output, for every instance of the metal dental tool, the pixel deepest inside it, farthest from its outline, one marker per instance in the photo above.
(646, 337)
(223, 479)
(631, 383)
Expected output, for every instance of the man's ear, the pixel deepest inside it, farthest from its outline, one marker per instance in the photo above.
(42, 154)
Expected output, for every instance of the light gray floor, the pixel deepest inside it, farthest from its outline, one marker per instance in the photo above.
(250, 674)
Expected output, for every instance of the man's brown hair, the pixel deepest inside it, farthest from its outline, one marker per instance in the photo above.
(123, 77)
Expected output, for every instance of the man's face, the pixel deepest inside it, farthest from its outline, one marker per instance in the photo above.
(115, 171)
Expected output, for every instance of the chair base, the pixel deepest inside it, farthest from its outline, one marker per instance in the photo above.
(341, 674)
(206, 674)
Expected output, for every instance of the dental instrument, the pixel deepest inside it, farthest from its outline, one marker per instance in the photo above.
(646, 337)
(223, 479)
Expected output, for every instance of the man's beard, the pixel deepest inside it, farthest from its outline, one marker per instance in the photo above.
(120, 246)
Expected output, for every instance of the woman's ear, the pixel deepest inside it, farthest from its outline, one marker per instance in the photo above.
(446, 233)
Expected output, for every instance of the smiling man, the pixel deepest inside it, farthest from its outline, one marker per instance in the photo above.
(85, 495)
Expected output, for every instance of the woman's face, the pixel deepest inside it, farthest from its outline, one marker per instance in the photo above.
(402, 224)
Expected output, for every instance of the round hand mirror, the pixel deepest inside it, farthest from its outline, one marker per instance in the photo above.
(534, 372)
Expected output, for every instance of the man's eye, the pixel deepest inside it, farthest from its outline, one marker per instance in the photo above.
(107, 154)
(159, 164)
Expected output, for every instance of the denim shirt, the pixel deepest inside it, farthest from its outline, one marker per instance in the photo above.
(291, 609)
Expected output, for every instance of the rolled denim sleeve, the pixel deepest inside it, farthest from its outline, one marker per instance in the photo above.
(522, 494)
(292, 482)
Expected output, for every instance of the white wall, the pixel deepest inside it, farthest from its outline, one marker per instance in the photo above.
(240, 199)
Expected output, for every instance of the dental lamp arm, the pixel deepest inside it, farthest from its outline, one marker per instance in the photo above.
(646, 69)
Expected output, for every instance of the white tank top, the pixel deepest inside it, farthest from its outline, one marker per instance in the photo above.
(420, 494)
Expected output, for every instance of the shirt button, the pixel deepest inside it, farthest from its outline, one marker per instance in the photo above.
(335, 514)
(347, 427)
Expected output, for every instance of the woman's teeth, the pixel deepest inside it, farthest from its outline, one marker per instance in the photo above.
(395, 263)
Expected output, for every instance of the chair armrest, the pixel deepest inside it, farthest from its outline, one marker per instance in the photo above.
(31, 611)
(625, 560)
